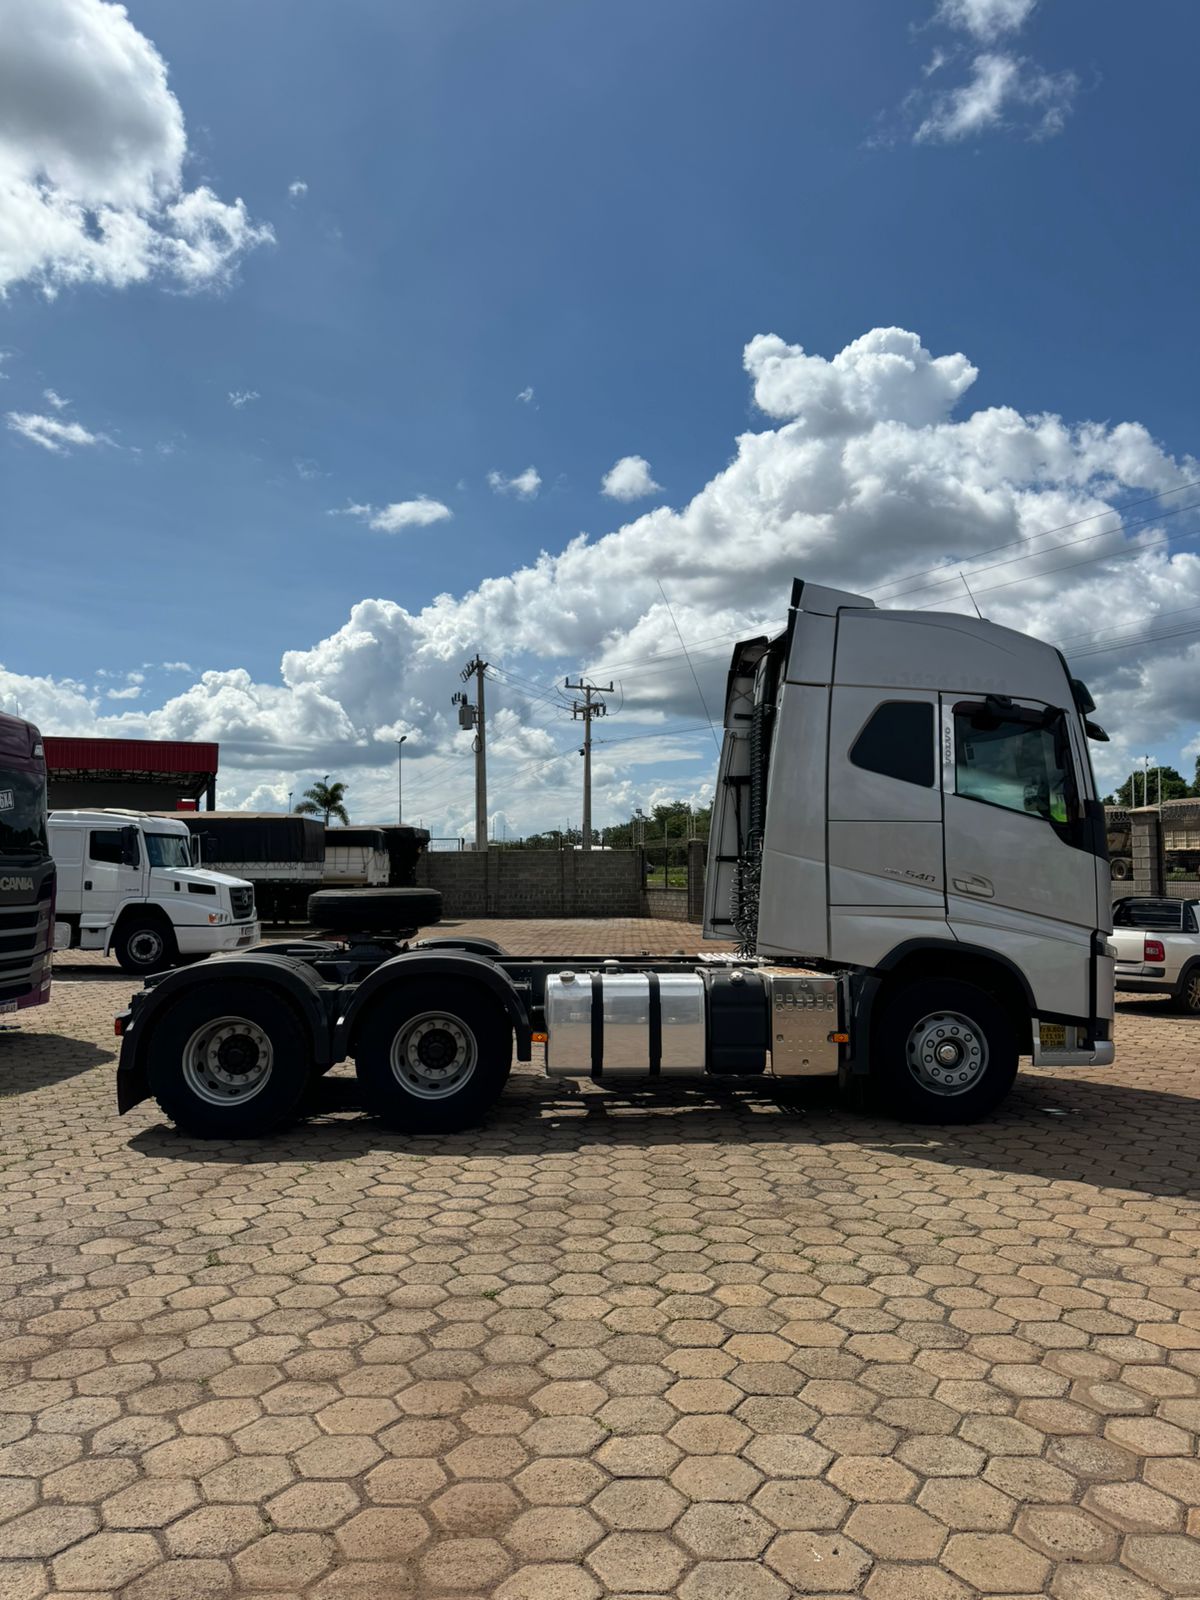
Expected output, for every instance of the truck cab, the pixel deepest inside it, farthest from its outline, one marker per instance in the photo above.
(909, 796)
(127, 884)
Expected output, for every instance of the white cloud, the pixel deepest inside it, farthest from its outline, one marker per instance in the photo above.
(629, 479)
(130, 692)
(177, 666)
(526, 395)
(242, 397)
(92, 151)
(55, 399)
(418, 513)
(50, 433)
(866, 466)
(525, 485)
(986, 20)
(297, 189)
(999, 89)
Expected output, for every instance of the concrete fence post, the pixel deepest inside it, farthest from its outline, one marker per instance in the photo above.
(1149, 875)
(695, 880)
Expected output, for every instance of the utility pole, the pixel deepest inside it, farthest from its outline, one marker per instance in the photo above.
(472, 716)
(400, 743)
(589, 709)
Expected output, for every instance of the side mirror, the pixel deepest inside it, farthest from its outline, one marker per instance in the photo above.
(130, 854)
(1095, 731)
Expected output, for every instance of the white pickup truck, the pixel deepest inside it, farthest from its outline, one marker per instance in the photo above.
(1158, 948)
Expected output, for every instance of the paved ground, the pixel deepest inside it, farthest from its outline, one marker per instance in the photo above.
(691, 1344)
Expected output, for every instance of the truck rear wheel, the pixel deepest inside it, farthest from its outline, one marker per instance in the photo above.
(228, 1061)
(434, 1058)
(947, 1052)
(143, 945)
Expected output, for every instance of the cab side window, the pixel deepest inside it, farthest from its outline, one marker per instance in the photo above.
(897, 742)
(104, 844)
(1017, 765)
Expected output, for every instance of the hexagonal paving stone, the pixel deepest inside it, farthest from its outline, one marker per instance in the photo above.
(732, 1580)
(896, 1532)
(968, 1505)
(284, 1562)
(106, 1561)
(549, 1581)
(800, 1504)
(560, 1482)
(1170, 1560)
(465, 1563)
(639, 1504)
(819, 1563)
(215, 1531)
(309, 1507)
(48, 1530)
(475, 1506)
(1066, 1533)
(719, 1477)
(720, 1531)
(554, 1533)
(1134, 1507)
(641, 1563)
(383, 1533)
(997, 1563)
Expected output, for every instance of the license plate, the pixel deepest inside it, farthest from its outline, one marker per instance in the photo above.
(9, 1005)
(1053, 1035)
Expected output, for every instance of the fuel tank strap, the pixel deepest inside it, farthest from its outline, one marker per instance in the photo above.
(597, 1026)
(655, 1021)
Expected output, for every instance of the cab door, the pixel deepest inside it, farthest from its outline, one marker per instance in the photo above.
(112, 874)
(1020, 876)
(885, 860)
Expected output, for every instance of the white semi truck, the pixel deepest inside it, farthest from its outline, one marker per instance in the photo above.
(127, 884)
(907, 847)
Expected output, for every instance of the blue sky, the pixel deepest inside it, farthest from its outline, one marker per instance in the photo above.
(602, 205)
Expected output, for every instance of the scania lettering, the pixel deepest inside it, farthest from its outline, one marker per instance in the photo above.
(907, 857)
(26, 869)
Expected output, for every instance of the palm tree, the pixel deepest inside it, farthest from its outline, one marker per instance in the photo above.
(326, 800)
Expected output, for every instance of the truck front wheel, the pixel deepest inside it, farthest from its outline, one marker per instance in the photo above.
(143, 945)
(433, 1059)
(228, 1061)
(947, 1052)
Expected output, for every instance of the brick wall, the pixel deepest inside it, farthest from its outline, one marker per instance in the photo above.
(535, 883)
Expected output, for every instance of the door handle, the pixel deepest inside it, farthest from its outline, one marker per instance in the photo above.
(983, 887)
(87, 883)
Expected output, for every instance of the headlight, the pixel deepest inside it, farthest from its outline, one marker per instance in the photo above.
(219, 917)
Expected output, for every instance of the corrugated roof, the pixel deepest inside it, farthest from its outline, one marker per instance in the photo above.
(165, 756)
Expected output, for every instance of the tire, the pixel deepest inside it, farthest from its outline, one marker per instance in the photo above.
(144, 945)
(386, 911)
(471, 947)
(433, 1058)
(922, 1017)
(189, 1069)
(1187, 997)
(1121, 868)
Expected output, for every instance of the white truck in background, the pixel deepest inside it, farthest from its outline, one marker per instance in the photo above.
(907, 847)
(126, 884)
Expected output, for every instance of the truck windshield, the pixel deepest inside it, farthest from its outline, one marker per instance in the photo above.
(22, 813)
(168, 850)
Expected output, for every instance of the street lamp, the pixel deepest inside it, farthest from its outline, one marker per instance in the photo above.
(291, 792)
(400, 743)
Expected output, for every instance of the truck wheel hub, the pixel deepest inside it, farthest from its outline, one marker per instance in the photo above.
(947, 1053)
(227, 1061)
(433, 1055)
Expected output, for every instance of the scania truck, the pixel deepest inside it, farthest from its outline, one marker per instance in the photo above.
(907, 870)
(26, 869)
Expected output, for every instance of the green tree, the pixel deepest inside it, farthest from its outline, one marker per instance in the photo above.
(325, 800)
(1174, 786)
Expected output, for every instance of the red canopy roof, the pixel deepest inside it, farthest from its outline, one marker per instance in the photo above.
(165, 756)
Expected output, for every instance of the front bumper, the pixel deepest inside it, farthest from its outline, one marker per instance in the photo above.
(209, 941)
(1066, 1045)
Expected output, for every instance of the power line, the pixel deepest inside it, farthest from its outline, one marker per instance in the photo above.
(1063, 527)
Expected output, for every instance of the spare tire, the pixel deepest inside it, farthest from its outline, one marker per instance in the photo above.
(384, 911)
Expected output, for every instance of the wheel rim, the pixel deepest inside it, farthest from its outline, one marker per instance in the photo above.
(227, 1061)
(146, 946)
(947, 1053)
(1191, 994)
(433, 1055)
